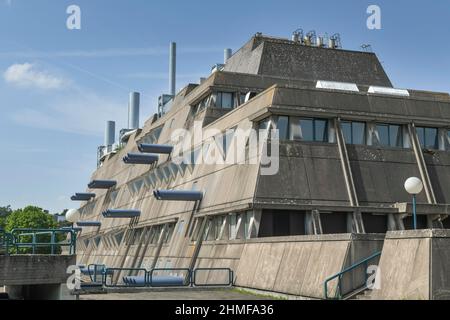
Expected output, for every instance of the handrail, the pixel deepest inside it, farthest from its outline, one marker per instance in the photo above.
(187, 277)
(340, 274)
(229, 283)
(149, 275)
(14, 239)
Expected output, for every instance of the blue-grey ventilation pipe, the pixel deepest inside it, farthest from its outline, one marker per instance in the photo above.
(89, 224)
(155, 148)
(178, 195)
(110, 133)
(102, 184)
(133, 110)
(83, 196)
(137, 158)
(121, 214)
(227, 55)
(173, 68)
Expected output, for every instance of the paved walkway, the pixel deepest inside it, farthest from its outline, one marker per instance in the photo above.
(185, 294)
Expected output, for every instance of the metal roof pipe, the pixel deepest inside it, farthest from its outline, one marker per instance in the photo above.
(121, 214)
(155, 148)
(173, 68)
(102, 184)
(89, 224)
(83, 196)
(227, 54)
(133, 110)
(178, 195)
(110, 133)
(137, 158)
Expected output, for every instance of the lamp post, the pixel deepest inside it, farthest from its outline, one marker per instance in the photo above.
(414, 186)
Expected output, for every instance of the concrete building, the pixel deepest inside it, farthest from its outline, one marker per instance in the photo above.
(348, 140)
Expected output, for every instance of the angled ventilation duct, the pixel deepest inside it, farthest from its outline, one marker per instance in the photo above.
(89, 224)
(77, 229)
(135, 158)
(389, 91)
(83, 196)
(121, 214)
(102, 184)
(155, 148)
(341, 86)
(178, 195)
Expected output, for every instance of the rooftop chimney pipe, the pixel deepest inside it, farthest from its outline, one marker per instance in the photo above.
(133, 110)
(173, 68)
(110, 133)
(227, 55)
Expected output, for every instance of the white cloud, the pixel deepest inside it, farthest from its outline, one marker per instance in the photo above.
(78, 111)
(29, 76)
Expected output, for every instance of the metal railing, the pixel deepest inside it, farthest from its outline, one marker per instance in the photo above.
(339, 276)
(229, 281)
(154, 279)
(19, 239)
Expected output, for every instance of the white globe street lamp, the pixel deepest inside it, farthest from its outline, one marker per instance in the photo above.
(73, 215)
(414, 186)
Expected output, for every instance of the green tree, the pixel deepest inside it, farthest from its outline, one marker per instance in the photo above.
(4, 213)
(31, 218)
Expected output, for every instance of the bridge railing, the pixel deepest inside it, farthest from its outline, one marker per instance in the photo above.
(37, 241)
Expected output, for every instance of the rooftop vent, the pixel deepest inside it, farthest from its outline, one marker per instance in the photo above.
(332, 85)
(388, 91)
(297, 35)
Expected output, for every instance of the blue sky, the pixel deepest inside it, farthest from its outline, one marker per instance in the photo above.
(59, 86)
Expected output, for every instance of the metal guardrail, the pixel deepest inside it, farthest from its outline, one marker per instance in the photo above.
(339, 276)
(152, 279)
(151, 275)
(230, 277)
(32, 238)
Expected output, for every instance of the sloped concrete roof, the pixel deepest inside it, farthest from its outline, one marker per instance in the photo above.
(288, 59)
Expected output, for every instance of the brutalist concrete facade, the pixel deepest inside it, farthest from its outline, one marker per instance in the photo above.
(326, 195)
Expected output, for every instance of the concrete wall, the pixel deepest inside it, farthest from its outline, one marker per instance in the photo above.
(292, 265)
(415, 265)
(34, 270)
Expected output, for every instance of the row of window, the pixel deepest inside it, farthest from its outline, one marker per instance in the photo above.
(221, 100)
(354, 132)
(229, 227)
(149, 235)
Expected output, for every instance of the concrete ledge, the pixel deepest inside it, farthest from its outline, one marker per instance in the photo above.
(34, 269)
(418, 234)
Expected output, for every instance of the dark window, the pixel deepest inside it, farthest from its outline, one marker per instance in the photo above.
(283, 127)
(446, 223)
(334, 223)
(375, 223)
(305, 129)
(428, 137)
(280, 223)
(225, 100)
(354, 132)
(390, 135)
(421, 222)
